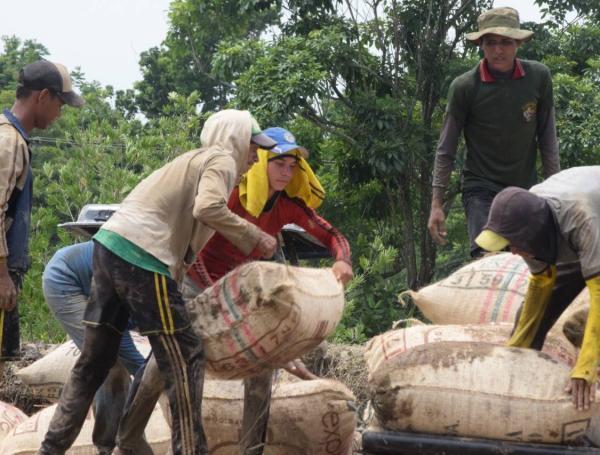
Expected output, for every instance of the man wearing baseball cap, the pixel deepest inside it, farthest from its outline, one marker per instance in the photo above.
(555, 227)
(43, 87)
(505, 110)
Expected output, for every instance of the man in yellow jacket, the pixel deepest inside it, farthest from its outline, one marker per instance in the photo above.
(555, 227)
(140, 254)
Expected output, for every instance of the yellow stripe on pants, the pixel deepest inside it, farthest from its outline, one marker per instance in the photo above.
(167, 306)
(159, 302)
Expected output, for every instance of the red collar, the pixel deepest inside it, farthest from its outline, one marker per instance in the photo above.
(486, 76)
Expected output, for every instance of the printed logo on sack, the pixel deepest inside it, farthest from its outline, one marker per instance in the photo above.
(529, 111)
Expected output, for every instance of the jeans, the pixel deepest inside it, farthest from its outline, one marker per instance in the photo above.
(109, 400)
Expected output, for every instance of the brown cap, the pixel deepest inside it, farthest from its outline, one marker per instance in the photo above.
(52, 76)
(500, 21)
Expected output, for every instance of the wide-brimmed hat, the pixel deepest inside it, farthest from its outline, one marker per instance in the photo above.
(500, 21)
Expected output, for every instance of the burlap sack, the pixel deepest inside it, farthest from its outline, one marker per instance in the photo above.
(490, 289)
(306, 417)
(10, 416)
(47, 375)
(262, 315)
(26, 438)
(478, 390)
(387, 346)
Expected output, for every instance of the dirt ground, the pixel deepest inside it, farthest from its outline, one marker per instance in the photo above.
(344, 363)
(12, 390)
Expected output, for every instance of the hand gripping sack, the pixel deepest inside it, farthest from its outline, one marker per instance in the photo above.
(389, 345)
(479, 390)
(490, 289)
(262, 315)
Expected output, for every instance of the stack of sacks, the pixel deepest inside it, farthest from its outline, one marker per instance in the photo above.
(474, 389)
(315, 417)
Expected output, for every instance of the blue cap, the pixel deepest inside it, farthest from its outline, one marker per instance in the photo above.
(286, 141)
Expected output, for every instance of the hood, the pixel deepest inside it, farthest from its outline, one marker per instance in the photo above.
(229, 130)
(526, 221)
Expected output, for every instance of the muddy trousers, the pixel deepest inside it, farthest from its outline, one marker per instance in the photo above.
(180, 358)
(149, 384)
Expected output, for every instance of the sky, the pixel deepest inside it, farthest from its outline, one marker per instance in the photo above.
(105, 37)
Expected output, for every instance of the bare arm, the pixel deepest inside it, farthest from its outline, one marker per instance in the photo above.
(443, 166)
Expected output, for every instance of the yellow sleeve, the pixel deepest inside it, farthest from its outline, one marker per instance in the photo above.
(587, 362)
(538, 295)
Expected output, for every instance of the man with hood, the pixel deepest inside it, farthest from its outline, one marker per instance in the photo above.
(280, 188)
(505, 109)
(140, 254)
(555, 227)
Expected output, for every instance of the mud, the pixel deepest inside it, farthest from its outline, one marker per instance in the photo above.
(443, 354)
(12, 390)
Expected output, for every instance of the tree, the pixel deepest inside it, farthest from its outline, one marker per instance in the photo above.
(183, 63)
(16, 55)
(373, 78)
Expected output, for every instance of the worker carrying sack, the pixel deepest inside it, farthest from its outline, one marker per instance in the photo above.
(262, 315)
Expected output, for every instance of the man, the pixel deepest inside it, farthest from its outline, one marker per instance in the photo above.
(43, 88)
(279, 189)
(140, 254)
(504, 107)
(555, 227)
(67, 282)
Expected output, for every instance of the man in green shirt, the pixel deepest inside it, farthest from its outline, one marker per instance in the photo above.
(505, 110)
